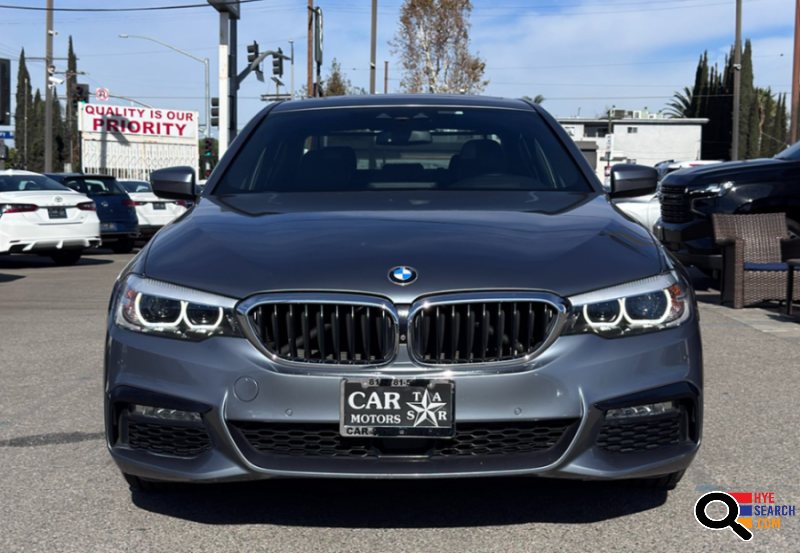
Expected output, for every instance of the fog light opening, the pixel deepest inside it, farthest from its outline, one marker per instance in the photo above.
(648, 410)
(162, 413)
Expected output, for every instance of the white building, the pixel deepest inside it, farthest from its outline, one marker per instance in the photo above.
(640, 137)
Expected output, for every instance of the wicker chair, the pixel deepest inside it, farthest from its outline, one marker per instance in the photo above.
(754, 251)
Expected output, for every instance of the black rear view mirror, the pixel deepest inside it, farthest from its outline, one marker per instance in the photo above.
(174, 183)
(629, 181)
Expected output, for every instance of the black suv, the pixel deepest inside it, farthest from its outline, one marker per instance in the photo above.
(689, 197)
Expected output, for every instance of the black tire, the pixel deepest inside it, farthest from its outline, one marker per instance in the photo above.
(141, 485)
(66, 257)
(124, 245)
(665, 483)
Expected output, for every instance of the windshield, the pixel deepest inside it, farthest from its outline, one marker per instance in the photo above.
(95, 186)
(403, 148)
(791, 153)
(136, 185)
(16, 183)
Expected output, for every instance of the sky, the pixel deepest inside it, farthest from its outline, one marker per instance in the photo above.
(583, 56)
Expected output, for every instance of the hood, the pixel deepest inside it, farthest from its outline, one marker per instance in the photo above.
(560, 242)
(737, 171)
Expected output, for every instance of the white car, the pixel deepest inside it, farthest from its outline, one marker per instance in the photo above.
(38, 215)
(647, 209)
(153, 212)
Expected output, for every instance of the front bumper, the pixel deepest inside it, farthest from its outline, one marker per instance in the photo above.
(566, 383)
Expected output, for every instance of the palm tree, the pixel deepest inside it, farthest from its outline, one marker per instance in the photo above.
(538, 99)
(681, 105)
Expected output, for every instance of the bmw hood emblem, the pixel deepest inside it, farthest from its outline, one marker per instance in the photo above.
(402, 275)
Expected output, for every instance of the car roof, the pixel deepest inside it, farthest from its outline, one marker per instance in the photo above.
(89, 175)
(10, 172)
(400, 100)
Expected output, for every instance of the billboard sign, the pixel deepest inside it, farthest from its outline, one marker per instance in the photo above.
(144, 122)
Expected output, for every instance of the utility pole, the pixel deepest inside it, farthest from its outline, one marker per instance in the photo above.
(737, 81)
(291, 44)
(795, 75)
(48, 103)
(373, 39)
(224, 83)
(386, 75)
(310, 84)
(25, 146)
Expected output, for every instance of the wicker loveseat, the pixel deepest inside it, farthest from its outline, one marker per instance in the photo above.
(754, 251)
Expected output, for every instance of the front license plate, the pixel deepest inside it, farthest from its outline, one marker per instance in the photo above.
(395, 407)
(159, 205)
(57, 212)
(108, 226)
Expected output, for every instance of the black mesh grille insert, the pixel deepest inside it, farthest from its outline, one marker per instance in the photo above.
(642, 435)
(342, 334)
(674, 204)
(167, 439)
(480, 332)
(471, 439)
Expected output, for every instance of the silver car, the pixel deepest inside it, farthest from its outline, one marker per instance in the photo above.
(403, 287)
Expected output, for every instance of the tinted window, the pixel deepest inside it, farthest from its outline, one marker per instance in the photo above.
(136, 186)
(14, 183)
(401, 148)
(791, 153)
(95, 186)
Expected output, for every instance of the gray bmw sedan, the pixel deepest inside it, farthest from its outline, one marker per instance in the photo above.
(403, 287)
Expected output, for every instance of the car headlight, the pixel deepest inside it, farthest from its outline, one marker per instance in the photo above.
(718, 189)
(154, 307)
(641, 306)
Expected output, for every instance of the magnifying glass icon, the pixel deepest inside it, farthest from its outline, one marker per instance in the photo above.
(728, 521)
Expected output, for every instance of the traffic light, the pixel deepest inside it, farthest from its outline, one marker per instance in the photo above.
(252, 52)
(215, 112)
(277, 64)
(209, 147)
(80, 93)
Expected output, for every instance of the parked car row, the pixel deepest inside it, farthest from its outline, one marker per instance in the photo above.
(689, 192)
(61, 214)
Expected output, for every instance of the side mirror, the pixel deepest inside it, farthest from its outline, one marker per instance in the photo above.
(174, 183)
(629, 181)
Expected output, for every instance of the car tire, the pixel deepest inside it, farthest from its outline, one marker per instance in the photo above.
(665, 483)
(66, 257)
(124, 245)
(138, 484)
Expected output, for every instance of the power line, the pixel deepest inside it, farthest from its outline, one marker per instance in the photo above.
(140, 9)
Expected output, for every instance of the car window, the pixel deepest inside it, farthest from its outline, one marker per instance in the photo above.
(402, 148)
(15, 183)
(792, 153)
(136, 186)
(95, 186)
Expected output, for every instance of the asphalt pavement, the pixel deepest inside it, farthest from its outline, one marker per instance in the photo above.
(60, 491)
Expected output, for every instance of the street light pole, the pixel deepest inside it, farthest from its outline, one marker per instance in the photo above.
(737, 81)
(291, 43)
(202, 60)
(48, 102)
(372, 68)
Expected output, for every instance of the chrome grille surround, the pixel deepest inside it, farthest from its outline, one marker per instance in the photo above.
(555, 304)
(385, 308)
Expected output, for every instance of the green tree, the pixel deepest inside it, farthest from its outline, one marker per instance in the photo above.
(23, 100)
(538, 99)
(71, 122)
(433, 42)
(36, 133)
(337, 83)
(681, 105)
(748, 110)
(60, 148)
